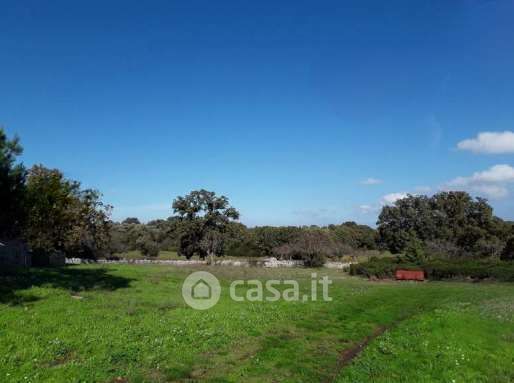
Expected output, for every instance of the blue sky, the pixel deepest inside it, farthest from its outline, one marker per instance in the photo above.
(287, 107)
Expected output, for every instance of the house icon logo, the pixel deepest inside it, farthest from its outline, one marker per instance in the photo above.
(201, 290)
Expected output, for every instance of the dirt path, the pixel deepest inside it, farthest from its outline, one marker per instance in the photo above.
(347, 356)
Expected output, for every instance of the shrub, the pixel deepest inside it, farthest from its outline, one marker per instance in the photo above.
(148, 248)
(312, 246)
(438, 269)
(313, 259)
(508, 251)
(376, 268)
(415, 250)
(244, 250)
(440, 248)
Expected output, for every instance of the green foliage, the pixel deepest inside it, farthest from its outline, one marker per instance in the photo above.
(148, 248)
(12, 187)
(239, 241)
(415, 250)
(131, 235)
(51, 213)
(268, 238)
(355, 236)
(147, 241)
(61, 217)
(438, 268)
(313, 246)
(192, 236)
(244, 249)
(508, 251)
(452, 219)
(131, 221)
(379, 267)
(204, 223)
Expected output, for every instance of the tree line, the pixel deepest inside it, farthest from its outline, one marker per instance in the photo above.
(202, 237)
(51, 213)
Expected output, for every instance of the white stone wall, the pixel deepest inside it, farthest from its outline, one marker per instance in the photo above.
(267, 262)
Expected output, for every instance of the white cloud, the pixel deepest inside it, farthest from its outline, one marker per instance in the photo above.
(366, 209)
(490, 143)
(391, 198)
(371, 181)
(497, 173)
(491, 183)
(491, 191)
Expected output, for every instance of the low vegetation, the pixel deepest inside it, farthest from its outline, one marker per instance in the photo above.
(438, 269)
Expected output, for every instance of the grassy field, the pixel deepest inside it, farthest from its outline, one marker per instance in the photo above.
(127, 323)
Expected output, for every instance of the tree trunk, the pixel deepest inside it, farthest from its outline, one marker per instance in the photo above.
(210, 257)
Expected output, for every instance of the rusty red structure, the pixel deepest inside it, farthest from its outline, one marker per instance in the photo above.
(410, 275)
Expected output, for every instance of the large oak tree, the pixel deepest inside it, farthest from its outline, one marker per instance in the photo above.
(205, 218)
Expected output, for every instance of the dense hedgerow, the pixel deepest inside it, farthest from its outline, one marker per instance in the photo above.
(438, 269)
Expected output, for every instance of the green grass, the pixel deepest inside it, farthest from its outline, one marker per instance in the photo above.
(129, 323)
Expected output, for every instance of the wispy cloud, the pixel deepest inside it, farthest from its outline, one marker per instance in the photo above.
(371, 181)
(489, 143)
(391, 198)
(492, 183)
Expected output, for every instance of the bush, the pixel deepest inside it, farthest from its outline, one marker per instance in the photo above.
(381, 267)
(312, 246)
(244, 250)
(415, 250)
(440, 248)
(148, 248)
(313, 259)
(466, 268)
(438, 269)
(508, 251)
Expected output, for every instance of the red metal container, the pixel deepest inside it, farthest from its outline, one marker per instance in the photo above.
(410, 275)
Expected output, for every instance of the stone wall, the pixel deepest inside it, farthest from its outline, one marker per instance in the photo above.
(266, 262)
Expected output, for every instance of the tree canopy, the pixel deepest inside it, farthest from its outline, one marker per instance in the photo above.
(205, 218)
(12, 186)
(63, 217)
(452, 223)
